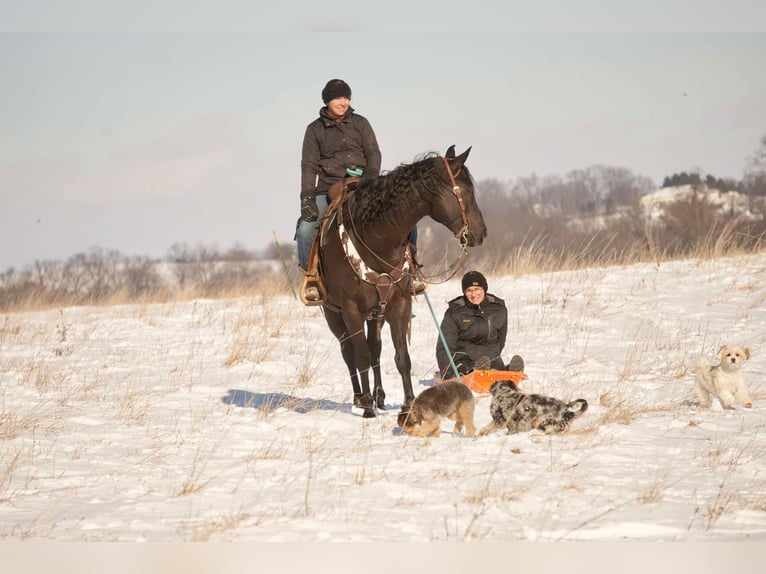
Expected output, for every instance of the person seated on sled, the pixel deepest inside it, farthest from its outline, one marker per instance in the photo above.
(475, 326)
(338, 144)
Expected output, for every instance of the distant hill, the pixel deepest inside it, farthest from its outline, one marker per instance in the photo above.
(726, 203)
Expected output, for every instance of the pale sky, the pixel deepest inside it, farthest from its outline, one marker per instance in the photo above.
(135, 141)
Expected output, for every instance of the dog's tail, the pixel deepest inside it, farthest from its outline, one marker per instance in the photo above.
(576, 408)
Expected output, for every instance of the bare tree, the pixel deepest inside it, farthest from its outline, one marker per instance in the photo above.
(192, 265)
(754, 180)
(140, 277)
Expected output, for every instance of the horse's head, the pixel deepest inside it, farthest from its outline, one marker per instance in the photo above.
(456, 206)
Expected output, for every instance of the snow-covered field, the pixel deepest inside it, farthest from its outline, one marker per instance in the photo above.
(231, 421)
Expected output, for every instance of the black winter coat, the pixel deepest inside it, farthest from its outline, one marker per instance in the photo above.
(329, 147)
(473, 331)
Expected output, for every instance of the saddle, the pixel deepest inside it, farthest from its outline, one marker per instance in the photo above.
(312, 278)
(337, 189)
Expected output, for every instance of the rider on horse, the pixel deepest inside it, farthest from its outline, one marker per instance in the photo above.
(337, 145)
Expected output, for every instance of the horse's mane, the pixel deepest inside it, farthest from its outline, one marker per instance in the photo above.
(394, 191)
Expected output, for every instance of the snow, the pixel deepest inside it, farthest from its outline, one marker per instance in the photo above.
(729, 203)
(231, 420)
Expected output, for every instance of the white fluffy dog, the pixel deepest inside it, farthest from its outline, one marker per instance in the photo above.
(723, 381)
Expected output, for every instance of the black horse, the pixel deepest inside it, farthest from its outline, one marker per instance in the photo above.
(367, 267)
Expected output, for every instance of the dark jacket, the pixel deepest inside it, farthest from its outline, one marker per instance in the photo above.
(473, 331)
(329, 147)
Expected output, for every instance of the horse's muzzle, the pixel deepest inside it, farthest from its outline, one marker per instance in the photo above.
(474, 237)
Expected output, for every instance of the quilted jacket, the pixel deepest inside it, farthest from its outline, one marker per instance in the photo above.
(473, 331)
(329, 147)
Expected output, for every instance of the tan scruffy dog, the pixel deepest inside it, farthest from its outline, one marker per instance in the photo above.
(452, 400)
(723, 381)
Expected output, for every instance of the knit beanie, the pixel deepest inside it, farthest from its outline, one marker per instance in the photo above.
(474, 278)
(336, 89)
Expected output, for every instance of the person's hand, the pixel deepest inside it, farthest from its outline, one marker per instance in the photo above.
(309, 209)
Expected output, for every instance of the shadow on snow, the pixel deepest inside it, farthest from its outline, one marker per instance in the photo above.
(269, 401)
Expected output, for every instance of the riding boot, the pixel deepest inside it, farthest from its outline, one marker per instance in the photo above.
(311, 292)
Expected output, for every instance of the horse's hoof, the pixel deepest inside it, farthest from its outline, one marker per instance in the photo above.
(380, 399)
(368, 414)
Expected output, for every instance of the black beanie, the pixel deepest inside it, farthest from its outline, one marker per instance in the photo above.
(474, 278)
(336, 89)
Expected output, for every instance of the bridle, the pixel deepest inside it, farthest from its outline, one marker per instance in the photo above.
(462, 234)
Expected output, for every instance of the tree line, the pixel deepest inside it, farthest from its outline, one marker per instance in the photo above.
(591, 216)
(595, 216)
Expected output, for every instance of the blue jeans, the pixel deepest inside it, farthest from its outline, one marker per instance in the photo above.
(305, 232)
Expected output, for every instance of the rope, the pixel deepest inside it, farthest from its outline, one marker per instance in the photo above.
(451, 271)
(443, 339)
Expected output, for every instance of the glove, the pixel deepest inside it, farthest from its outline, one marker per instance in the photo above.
(309, 209)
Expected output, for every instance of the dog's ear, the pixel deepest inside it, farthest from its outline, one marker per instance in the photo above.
(509, 385)
(405, 417)
(721, 351)
(747, 353)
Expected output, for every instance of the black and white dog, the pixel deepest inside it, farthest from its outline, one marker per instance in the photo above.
(521, 412)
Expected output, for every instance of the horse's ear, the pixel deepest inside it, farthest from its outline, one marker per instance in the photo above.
(458, 162)
(450, 152)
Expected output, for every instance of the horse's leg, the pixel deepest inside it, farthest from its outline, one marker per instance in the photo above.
(399, 325)
(338, 328)
(355, 327)
(374, 344)
(347, 351)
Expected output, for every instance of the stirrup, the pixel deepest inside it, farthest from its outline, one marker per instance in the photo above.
(310, 292)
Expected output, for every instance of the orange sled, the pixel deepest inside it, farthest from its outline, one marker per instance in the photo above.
(481, 380)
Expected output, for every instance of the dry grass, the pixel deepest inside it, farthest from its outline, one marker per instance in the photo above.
(14, 424)
(11, 464)
(215, 528)
(535, 255)
(656, 491)
(309, 368)
(197, 479)
(256, 330)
